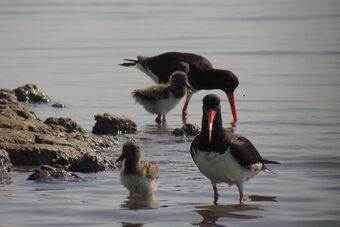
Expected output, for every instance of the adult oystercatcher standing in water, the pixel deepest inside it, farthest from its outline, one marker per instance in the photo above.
(201, 74)
(221, 155)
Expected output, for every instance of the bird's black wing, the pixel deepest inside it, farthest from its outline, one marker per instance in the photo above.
(194, 60)
(244, 152)
(194, 146)
(164, 65)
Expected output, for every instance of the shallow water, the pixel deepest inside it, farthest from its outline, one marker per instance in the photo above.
(286, 55)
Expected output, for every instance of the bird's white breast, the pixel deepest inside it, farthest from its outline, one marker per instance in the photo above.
(162, 106)
(224, 167)
(138, 184)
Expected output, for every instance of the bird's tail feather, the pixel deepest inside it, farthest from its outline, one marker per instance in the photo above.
(265, 169)
(270, 162)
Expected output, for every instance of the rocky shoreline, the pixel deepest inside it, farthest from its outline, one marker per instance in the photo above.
(26, 140)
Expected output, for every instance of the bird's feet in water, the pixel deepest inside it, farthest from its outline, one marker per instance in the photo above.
(160, 120)
(233, 124)
(215, 193)
(242, 198)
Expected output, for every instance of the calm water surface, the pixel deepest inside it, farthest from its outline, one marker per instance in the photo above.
(286, 55)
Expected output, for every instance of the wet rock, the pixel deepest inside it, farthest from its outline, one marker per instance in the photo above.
(90, 163)
(187, 130)
(47, 173)
(58, 105)
(64, 124)
(30, 93)
(104, 141)
(111, 124)
(28, 141)
(5, 162)
(40, 154)
(5, 166)
(7, 96)
(5, 179)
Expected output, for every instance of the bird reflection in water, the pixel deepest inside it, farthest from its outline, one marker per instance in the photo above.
(212, 213)
(157, 129)
(139, 203)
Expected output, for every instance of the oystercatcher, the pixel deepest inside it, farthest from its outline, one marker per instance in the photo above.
(201, 74)
(221, 155)
(161, 98)
(140, 177)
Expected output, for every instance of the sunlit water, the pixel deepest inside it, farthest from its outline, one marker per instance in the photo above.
(286, 55)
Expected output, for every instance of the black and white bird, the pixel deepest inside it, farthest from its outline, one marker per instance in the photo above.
(161, 98)
(201, 74)
(140, 177)
(223, 156)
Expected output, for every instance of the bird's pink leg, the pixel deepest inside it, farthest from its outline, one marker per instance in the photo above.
(158, 119)
(240, 190)
(185, 107)
(241, 198)
(231, 99)
(215, 192)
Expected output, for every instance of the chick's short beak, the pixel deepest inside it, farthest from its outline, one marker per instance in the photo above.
(120, 158)
(187, 85)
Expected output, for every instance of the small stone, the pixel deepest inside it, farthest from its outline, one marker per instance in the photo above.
(30, 93)
(89, 164)
(58, 105)
(48, 173)
(111, 124)
(187, 130)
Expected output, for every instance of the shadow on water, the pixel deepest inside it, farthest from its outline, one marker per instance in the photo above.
(139, 203)
(157, 129)
(257, 198)
(212, 213)
(128, 224)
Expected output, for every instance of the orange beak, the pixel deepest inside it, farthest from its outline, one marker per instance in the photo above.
(211, 115)
(232, 105)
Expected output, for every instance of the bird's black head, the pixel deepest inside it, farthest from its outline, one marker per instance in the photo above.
(211, 101)
(230, 80)
(131, 151)
(212, 119)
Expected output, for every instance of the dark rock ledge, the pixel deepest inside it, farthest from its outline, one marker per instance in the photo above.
(27, 140)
